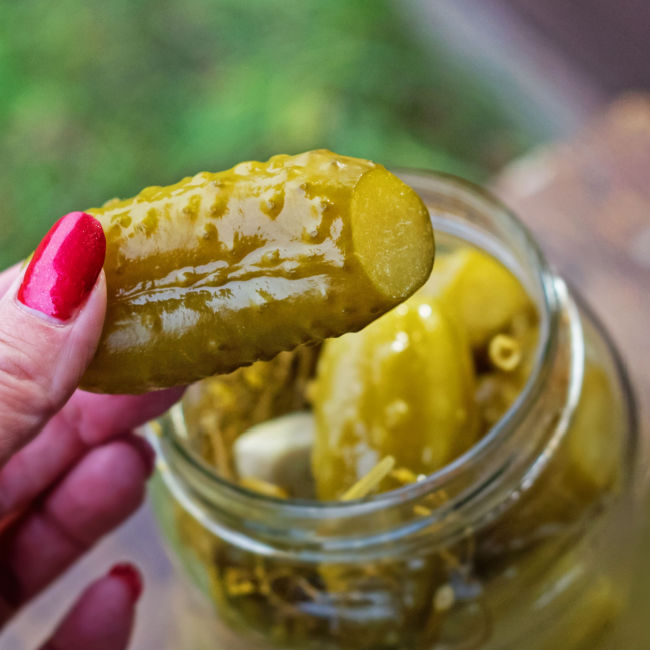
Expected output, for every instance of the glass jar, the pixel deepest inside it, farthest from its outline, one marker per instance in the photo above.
(527, 540)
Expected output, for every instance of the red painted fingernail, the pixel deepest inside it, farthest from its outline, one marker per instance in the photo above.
(65, 266)
(130, 576)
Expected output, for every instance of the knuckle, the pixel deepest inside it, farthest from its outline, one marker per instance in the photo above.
(24, 388)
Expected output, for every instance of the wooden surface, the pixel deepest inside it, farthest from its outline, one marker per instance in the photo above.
(588, 201)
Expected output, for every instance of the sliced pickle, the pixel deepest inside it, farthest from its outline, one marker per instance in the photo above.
(225, 269)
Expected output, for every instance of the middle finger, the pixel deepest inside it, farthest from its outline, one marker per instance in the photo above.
(87, 420)
(104, 488)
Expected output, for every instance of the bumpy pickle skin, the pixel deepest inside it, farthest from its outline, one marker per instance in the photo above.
(402, 387)
(482, 293)
(223, 269)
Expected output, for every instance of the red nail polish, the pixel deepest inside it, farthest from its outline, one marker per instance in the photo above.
(65, 266)
(130, 576)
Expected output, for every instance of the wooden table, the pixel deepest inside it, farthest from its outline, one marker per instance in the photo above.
(588, 201)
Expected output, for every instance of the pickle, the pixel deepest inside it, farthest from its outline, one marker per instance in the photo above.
(482, 293)
(584, 471)
(224, 269)
(585, 598)
(594, 442)
(401, 387)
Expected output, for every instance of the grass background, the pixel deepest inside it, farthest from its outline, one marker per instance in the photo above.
(98, 99)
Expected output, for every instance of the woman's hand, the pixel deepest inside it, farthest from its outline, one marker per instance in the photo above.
(70, 468)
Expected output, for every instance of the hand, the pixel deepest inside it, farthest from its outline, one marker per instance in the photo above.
(70, 467)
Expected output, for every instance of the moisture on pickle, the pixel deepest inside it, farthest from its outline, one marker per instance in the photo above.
(403, 386)
(223, 269)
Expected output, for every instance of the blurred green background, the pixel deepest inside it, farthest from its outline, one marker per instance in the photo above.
(99, 99)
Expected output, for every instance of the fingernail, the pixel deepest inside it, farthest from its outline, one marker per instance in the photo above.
(130, 576)
(65, 266)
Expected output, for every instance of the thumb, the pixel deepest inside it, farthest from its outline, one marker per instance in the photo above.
(50, 323)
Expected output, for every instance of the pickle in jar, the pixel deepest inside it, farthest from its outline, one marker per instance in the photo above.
(584, 470)
(482, 293)
(224, 269)
(402, 387)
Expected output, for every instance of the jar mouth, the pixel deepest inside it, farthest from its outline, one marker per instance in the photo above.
(544, 288)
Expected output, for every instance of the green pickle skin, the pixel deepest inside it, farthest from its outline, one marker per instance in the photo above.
(223, 269)
(403, 387)
(482, 293)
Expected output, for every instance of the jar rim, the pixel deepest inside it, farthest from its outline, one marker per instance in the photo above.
(549, 313)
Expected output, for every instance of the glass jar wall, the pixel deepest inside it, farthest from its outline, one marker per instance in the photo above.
(526, 540)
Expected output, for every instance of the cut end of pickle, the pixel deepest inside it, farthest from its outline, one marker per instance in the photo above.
(392, 234)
